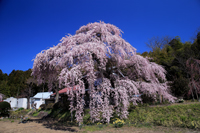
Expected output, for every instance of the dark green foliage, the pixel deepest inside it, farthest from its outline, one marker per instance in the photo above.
(4, 108)
(49, 106)
(5, 105)
(180, 86)
(12, 84)
(58, 105)
(173, 57)
(61, 112)
(145, 54)
(176, 43)
(147, 99)
(3, 76)
(15, 84)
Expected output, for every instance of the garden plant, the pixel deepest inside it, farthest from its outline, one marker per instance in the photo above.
(4, 109)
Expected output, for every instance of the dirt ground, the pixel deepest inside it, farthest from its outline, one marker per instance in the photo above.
(38, 125)
(33, 126)
(46, 126)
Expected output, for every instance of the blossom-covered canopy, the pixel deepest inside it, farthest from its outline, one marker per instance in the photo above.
(98, 59)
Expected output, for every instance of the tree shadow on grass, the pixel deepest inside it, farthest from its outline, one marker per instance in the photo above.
(50, 123)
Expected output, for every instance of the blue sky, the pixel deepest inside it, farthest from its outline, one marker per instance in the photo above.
(29, 26)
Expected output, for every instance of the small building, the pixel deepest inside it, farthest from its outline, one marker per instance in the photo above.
(17, 102)
(22, 103)
(64, 98)
(40, 97)
(63, 91)
(12, 101)
(62, 95)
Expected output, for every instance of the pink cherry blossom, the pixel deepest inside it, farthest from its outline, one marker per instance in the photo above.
(93, 59)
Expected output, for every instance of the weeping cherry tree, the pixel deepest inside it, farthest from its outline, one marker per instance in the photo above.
(98, 61)
(193, 66)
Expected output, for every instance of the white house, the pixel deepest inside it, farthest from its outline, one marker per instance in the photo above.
(40, 97)
(22, 103)
(17, 102)
(12, 101)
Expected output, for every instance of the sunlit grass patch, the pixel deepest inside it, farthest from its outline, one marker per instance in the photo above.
(36, 113)
(175, 115)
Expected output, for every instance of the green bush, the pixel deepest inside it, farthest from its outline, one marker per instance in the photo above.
(4, 108)
(118, 123)
(4, 105)
(20, 109)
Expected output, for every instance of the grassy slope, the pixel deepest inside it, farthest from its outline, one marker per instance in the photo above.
(178, 115)
(182, 115)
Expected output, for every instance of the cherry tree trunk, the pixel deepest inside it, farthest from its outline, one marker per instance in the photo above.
(195, 90)
(57, 96)
(160, 97)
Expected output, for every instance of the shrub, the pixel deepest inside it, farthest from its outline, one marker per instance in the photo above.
(147, 99)
(43, 106)
(4, 105)
(4, 108)
(118, 123)
(61, 105)
(180, 100)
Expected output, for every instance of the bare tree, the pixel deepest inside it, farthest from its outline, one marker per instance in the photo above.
(28, 91)
(158, 42)
(195, 34)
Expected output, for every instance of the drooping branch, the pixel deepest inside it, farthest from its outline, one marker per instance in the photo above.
(193, 66)
(99, 60)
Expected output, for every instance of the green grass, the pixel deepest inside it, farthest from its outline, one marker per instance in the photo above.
(18, 113)
(187, 116)
(93, 128)
(35, 113)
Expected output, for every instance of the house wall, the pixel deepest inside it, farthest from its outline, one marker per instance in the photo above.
(47, 101)
(18, 103)
(12, 101)
(22, 103)
(38, 102)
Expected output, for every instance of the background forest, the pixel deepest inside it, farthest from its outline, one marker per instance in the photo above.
(181, 61)
(19, 84)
